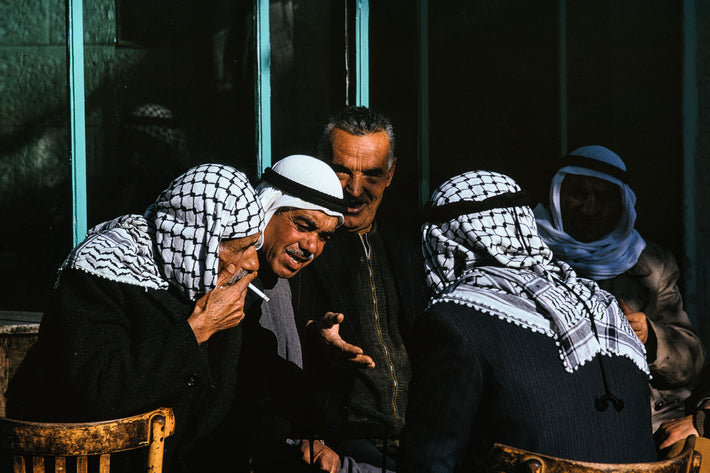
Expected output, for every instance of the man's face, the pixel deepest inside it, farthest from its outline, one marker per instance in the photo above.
(294, 237)
(362, 165)
(241, 253)
(590, 207)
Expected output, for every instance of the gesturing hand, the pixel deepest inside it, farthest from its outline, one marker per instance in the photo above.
(327, 330)
(637, 320)
(221, 308)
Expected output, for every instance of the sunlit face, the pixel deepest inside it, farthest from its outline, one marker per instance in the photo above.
(240, 252)
(294, 237)
(590, 207)
(363, 167)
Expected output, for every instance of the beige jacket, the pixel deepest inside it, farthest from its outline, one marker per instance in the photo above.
(675, 354)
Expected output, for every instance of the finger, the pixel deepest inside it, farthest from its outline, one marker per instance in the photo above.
(226, 274)
(347, 348)
(330, 319)
(363, 360)
(624, 307)
(670, 440)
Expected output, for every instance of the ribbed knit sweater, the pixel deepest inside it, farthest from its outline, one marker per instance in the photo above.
(478, 380)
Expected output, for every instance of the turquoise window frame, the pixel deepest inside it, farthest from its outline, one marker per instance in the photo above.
(77, 100)
(77, 117)
(263, 85)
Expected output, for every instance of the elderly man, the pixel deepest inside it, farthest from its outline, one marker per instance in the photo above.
(355, 304)
(303, 205)
(590, 225)
(514, 347)
(145, 314)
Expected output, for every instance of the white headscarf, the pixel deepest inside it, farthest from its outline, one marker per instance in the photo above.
(316, 175)
(207, 204)
(615, 252)
(492, 259)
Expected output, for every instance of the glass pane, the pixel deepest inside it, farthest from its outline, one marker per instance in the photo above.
(307, 71)
(35, 179)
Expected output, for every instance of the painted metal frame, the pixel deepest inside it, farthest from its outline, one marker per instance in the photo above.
(362, 53)
(690, 133)
(423, 125)
(77, 116)
(263, 85)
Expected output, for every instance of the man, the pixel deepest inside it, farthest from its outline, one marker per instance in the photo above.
(355, 304)
(303, 205)
(514, 347)
(590, 225)
(145, 314)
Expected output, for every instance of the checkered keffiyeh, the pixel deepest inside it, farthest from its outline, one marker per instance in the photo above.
(495, 261)
(207, 204)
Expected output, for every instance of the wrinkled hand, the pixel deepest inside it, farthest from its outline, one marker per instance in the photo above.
(222, 307)
(324, 458)
(327, 330)
(675, 429)
(637, 320)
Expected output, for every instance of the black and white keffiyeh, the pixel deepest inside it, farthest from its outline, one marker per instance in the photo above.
(177, 240)
(494, 261)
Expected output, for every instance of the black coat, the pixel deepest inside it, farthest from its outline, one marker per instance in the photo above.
(324, 286)
(108, 350)
(477, 380)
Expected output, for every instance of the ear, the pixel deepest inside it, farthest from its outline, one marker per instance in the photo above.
(390, 172)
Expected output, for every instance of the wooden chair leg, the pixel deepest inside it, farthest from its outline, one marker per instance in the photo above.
(157, 445)
(37, 465)
(82, 464)
(18, 464)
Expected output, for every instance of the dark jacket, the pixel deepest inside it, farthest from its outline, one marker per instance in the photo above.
(325, 286)
(477, 380)
(108, 350)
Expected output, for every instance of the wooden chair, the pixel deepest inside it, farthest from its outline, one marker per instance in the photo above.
(39, 441)
(505, 459)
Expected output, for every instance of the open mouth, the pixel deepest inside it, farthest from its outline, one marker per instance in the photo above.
(298, 258)
(355, 207)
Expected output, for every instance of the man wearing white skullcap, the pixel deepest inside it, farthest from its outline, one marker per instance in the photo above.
(303, 205)
(146, 313)
(590, 224)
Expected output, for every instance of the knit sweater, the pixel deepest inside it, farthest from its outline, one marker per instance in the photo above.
(478, 380)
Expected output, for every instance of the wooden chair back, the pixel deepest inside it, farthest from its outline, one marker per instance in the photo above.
(39, 442)
(505, 459)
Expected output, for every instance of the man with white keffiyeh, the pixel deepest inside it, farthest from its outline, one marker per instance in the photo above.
(145, 314)
(514, 347)
(590, 224)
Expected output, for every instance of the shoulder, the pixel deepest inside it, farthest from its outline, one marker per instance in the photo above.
(654, 259)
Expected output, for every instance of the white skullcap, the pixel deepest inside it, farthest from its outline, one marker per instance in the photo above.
(301, 182)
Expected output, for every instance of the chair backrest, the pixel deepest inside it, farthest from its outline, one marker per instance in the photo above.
(39, 441)
(505, 459)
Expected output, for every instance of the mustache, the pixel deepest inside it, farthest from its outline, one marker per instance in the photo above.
(300, 254)
(236, 277)
(353, 202)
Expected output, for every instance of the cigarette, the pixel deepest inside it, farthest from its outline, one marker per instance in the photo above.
(258, 292)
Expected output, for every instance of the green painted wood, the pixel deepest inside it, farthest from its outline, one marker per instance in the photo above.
(690, 134)
(263, 85)
(423, 145)
(77, 116)
(362, 53)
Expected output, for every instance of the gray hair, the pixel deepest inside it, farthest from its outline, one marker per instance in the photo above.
(357, 121)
